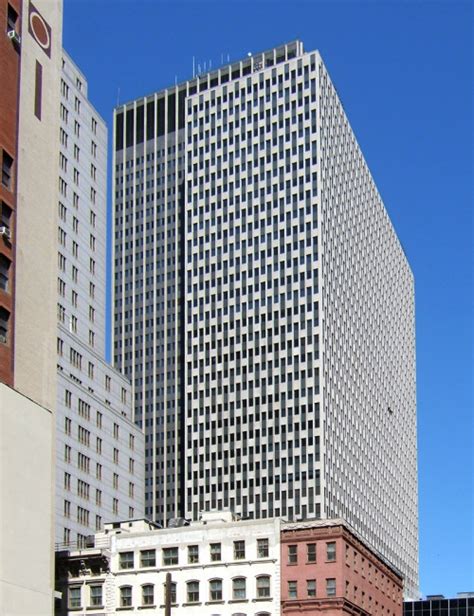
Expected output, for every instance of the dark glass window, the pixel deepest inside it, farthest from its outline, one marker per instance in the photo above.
(129, 128)
(140, 123)
(171, 113)
(119, 132)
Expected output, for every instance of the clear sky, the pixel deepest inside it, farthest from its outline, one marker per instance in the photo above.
(404, 72)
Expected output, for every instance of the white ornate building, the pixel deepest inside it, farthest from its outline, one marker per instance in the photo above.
(219, 567)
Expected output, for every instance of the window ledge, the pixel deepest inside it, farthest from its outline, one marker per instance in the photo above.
(259, 599)
(238, 601)
(146, 607)
(193, 603)
(216, 602)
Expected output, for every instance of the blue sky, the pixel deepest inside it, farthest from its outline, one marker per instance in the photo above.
(404, 72)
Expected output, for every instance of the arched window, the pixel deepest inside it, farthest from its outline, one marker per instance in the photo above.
(125, 596)
(239, 590)
(192, 591)
(172, 592)
(263, 587)
(215, 590)
(148, 594)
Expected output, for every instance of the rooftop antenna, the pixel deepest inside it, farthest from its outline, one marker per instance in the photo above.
(176, 80)
(222, 58)
(228, 58)
(194, 67)
(118, 96)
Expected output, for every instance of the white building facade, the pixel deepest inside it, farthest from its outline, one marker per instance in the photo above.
(218, 567)
(264, 307)
(99, 475)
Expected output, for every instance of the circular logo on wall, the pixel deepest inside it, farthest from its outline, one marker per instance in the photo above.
(39, 29)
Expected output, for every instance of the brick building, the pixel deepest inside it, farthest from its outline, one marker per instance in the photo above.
(326, 569)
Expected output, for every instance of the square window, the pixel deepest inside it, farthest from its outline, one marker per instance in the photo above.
(148, 558)
(126, 560)
(170, 556)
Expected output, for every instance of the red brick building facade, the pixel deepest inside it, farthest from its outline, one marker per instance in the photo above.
(326, 569)
(9, 96)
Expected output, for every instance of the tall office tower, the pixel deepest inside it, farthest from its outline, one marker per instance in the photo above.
(264, 308)
(100, 468)
(30, 56)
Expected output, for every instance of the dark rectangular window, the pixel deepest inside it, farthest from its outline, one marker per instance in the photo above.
(38, 89)
(4, 272)
(119, 132)
(5, 215)
(161, 117)
(7, 170)
(181, 109)
(4, 318)
(12, 17)
(171, 113)
(129, 128)
(140, 124)
(150, 120)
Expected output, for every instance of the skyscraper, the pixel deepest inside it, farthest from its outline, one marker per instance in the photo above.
(99, 461)
(263, 305)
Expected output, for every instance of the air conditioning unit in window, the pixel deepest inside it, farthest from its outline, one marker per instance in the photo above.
(3, 338)
(14, 36)
(5, 232)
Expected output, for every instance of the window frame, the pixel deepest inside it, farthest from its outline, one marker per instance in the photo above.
(126, 601)
(93, 598)
(124, 560)
(145, 555)
(79, 598)
(262, 590)
(292, 556)
(218, 598)
(146, 598)
(171, 553)
(190, 599)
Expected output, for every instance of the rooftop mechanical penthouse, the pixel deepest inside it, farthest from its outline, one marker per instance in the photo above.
(263, 305)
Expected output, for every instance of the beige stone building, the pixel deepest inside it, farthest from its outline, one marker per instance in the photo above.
(28, 154)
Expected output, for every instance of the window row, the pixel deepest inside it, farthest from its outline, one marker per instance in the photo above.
(170, 556)
(194, 592)
(293, 592)
(309, 556)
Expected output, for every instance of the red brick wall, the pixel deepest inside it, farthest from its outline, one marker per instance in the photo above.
(10, 55)
(364, 584)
